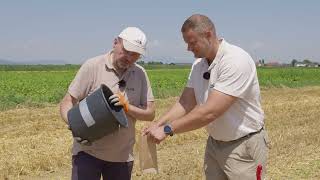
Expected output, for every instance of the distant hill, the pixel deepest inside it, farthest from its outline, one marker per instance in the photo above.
(3, 61)
(33, 62)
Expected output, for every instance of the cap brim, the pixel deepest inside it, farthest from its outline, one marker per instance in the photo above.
(133, 48)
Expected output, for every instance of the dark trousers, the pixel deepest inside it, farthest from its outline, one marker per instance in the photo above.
(87, 167)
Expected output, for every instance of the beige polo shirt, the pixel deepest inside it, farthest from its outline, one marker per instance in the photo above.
(116, 147)
(232, 72)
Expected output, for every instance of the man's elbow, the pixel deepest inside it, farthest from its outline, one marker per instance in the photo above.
(62, 105)
(65, 102)
(65, 105)
(150, 112)
(151, 116)
(210, 116)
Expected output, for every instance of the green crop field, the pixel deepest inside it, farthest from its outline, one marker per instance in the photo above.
(37, 85)
(289, 77)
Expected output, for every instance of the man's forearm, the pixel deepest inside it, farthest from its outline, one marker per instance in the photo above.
(64, 108)
(142, 113)
(186, 103)
(66, 104)
(175, 112)
(216, 104)
(197, 118)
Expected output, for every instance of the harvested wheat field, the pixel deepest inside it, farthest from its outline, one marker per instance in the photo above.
(35, 143)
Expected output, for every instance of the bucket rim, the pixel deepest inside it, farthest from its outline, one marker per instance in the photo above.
(124, 124)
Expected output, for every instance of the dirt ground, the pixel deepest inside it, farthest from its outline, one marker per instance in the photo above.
(35, 143)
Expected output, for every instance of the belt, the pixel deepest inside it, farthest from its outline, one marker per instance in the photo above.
(250, 134)
(243, 137)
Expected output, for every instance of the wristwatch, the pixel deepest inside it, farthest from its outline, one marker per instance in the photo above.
(168, 130)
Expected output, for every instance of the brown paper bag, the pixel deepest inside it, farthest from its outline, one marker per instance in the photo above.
(147, 155)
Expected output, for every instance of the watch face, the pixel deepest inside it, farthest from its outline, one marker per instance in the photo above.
(167, 129)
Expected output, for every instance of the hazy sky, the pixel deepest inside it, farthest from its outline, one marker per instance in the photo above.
(73, 31)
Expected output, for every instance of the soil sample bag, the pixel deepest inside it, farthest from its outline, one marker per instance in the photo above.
(147, 155)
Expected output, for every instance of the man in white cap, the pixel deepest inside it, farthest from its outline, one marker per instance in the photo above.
(112, 155)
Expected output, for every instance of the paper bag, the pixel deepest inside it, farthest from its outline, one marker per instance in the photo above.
(147, 155)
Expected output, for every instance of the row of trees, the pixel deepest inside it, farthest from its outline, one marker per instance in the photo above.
(307, 62)
(150, 63)
(293, 63)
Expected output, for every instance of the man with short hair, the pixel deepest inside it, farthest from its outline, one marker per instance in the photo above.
(112, 155)
(223, 95)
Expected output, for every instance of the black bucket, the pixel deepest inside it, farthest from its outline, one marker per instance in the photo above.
(95, 117)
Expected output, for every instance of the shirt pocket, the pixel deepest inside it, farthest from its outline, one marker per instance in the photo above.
(133, 92)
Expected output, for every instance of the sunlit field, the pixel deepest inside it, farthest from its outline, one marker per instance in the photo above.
(35, 143)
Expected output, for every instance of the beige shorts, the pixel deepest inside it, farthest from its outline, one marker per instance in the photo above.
(236, 159)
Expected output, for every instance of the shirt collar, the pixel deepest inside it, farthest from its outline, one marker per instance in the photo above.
(220, 53)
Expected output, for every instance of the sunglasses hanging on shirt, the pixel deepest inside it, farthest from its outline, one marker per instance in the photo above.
(122, 86)
(206, 76)
(122, 83)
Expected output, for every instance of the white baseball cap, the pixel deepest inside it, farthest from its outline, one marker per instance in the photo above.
(134, 40)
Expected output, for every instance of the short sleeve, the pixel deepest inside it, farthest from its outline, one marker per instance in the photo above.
(235, 77)
(82, 83)
(146, 90)
(191, 77)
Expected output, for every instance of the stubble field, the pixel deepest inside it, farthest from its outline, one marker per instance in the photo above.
(35, 143)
